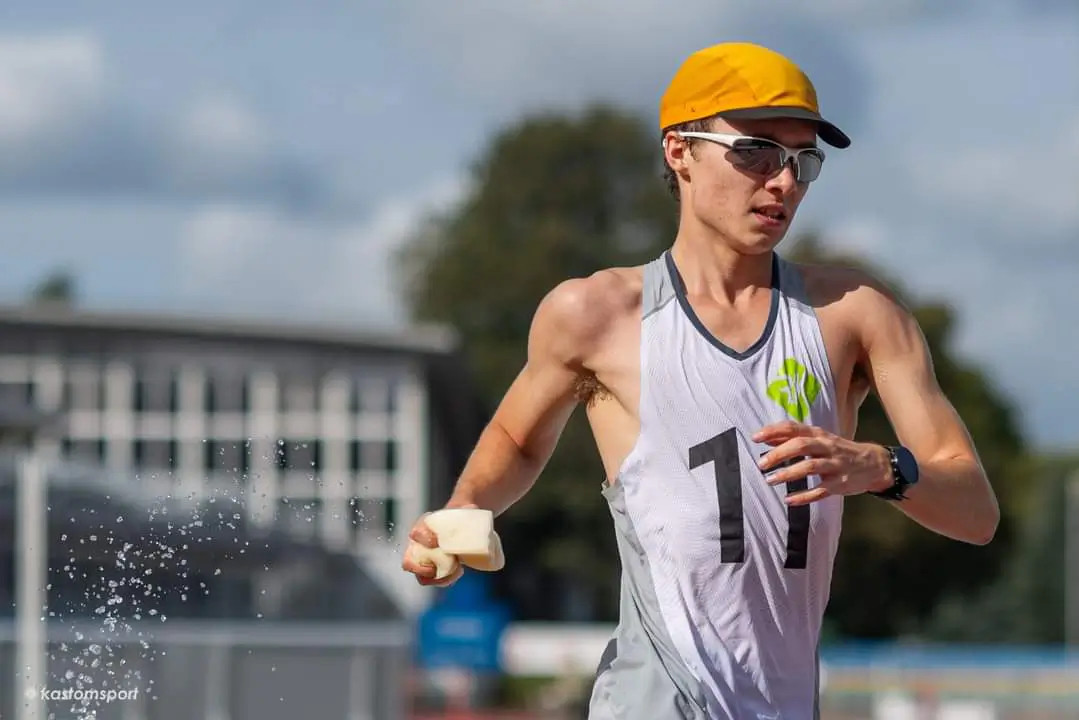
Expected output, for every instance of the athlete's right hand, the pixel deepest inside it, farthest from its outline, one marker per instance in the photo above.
(421, 535)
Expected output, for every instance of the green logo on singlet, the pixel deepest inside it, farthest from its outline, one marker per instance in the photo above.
(794, 389)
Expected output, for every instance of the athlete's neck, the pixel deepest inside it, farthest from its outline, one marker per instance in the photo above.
(712, 268)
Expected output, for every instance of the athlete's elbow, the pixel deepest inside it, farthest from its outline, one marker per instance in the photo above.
(984, 529)
(989, 531)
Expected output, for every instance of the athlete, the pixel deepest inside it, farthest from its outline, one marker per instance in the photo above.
(722, 384)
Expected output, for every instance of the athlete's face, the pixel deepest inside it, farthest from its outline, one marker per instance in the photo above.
(741, 193)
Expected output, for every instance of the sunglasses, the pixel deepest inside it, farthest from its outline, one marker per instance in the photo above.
(767, 157)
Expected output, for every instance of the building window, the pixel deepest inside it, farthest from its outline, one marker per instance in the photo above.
(154, 454)
(362, 512)
(80, 451)
(391, 456)
(298, 394)
(228, 456)
(227, 394)
(391, 396)
(354, 396)
(371, 516)
(16, 394)
(138, 395)
(389, 517)
(372, 455)
(355, 457)
(300, 515)
(84, 389)
(299, 455)
(156, 391)
(373, 395)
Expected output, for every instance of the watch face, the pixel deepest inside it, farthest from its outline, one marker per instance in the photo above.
(908, 466)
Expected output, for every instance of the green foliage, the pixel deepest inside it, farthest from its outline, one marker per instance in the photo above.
(557, 197)
(1025, 602)
(57, 288)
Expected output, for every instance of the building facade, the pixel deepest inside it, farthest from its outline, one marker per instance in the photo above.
(336, 436)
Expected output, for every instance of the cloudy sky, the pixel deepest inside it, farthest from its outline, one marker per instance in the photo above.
(262, 157)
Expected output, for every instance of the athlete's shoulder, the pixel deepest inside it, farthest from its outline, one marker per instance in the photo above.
(855, 297)
(591, 302)
(846, 286)
(581, 311)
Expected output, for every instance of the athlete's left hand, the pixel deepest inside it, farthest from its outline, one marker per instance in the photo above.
(845, 467)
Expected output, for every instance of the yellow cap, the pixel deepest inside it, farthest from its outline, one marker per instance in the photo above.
(743, 80)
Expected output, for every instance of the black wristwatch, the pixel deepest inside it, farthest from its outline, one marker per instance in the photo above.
(904, 473)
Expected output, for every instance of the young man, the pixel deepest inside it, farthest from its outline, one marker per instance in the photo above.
(724, 385)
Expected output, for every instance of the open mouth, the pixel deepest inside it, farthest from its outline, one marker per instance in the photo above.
(771, 214)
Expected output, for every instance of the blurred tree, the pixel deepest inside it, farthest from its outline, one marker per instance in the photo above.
(57, 288)
(1026, 602)
(556, 197)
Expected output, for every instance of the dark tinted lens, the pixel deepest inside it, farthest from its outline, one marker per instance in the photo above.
(757, 157)
(809, 166)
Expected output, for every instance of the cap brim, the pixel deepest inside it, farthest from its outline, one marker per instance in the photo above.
(828, 132)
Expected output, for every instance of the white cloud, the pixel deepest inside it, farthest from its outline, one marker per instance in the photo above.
(222, 126)
(264, 260)
(65, 131)
(1026, 183)
(560, 53)
(48, 84)
(219, 146)
(866, 235)
(360, 275)
(991, 166)
(395, 219)
(249, 259)
(217, 239)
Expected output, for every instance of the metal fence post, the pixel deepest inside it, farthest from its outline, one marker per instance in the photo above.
(31, 562)
(1071, 562)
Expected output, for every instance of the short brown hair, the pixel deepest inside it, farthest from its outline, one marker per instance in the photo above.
(701, 125)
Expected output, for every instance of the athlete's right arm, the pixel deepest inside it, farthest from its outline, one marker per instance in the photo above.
(518, 441)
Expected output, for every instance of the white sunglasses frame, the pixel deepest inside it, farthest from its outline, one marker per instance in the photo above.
(728, 140)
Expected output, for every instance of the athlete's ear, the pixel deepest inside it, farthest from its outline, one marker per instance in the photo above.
(677, 152)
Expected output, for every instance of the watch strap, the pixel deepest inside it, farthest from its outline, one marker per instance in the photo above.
(900, 482)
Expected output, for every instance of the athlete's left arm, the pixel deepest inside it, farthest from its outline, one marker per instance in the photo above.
(953, 495)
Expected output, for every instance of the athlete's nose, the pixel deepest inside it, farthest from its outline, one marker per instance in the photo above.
(784, 180)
